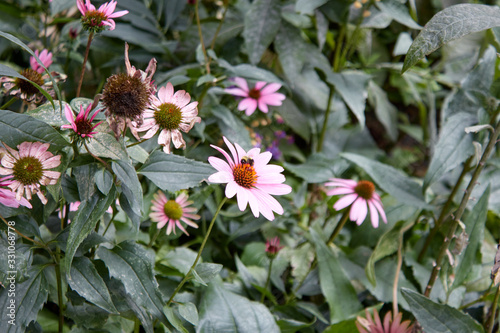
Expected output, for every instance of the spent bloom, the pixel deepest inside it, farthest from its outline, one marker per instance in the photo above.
(170, 114)
(173, 212)
(96, 20)
(260, 96)
(8, 198)
(250, 178)
(82, 124)
(29, 167)
(361, 196)
(390, 325)
(273, 247)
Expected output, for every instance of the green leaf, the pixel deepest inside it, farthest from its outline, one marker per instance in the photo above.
(17, 128)
(474, 228)
(48, 115)
(130, 184)
(180, 258)
(29, 297)
(250, 72)
(261, 26)
(308, 6)
(208, 271)
(292, 326)
(189, 312)
(172, 10)
(82, 175)
(294, 118)
(391, 180)
(223, 311)
(232, 127)
(317, 169)
(398, 11)
(437, 318)
(385, 111)
(103, 180)
(452, 148)
(131, 265)
(86, 281)
(89, 212)
(449, 24)
(334, 283)
(292, 51)
(173, 173)
(105, 145)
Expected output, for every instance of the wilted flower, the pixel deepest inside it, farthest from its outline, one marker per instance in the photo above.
(29, 167)
(248, 175)
(173, 212)
(361, 196)
(82, 124)
(259, 96)
(127, 95)
(170, 113)
(390, 325)
(8, 198)
(273, 247)
(95, 20)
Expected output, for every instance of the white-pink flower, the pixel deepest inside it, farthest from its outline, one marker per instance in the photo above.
(45, 57)
(260, 96)
(29, 167)
(361, 196)
(170, 114)
(173, 212)
(82, 124)
(95, 20)
(8, 198)
(250, 178)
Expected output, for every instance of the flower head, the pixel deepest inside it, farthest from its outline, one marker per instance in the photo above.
(8, 198)
(82, 124)
(390, 325)
(260, 96)
(173, 212)
(170, 114)
(273, 247)
(46, 59)
(29, 167)
(361, 196)
(95, 20)
(248, 175)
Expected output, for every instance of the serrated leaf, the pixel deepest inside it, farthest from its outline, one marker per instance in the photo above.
(391, 180)
(49, 115)
(453, 147)
(334, 283)
(85, 280)
(232, 127)
(449, 24)
(131, 187)
(17, 128)
(29, 298)
(173, 173)
(105, 145)
(130, 264)
(438, 318)
(398, 12)
(223, 311)
(262, 22)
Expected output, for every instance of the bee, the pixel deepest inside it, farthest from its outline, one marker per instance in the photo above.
(247, 160)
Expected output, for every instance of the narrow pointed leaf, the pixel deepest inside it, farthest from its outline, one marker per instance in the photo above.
(131, 186)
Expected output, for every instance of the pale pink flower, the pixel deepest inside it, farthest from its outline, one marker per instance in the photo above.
(29, 167)
(273, 246)
(248, 175)
(45, 57)
(95, 20)
(82, 124)
(173, 212)
(8, 198)
(260, 96)
(73, 207)
(361, 196)
(170, 114)
(390, 325)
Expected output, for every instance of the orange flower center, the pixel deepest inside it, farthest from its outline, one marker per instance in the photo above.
(365, 189)
(254, 93)
(173, 210)
(244, 173)
(28, 170)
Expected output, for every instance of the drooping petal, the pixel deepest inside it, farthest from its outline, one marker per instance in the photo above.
(345, 201)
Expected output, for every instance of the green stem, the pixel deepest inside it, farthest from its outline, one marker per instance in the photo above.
(89, 41)
(226, 7)
(110, 221)
(339, 226)
(137, 143)
(198, 24)
(493, 311)
(263, 297)
(152, 241)
(24, 236)
(186, 277)
(338, 49)
(396, 278)
(9, 103)
(59, 289)
(461, 209)
(137, 326)
(325, 121)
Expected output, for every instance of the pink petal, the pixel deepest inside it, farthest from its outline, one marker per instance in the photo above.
(220, 177)
(358, 211)
(345, 201)
(242, 83)
(274, 189)
(270, 88)
(219, 164)
(259, 85)
(373, 214)
(248, 105)
(242, 197)
(340, 190)
(236, 92)
(177, 139)
(231, 189)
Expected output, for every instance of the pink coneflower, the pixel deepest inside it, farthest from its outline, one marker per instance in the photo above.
(273, 247)
(249, 176)
(29, 167)
(45, 57)
(260, 96)
(390, 325)
(8, 198)
(173, 212)
(170, 114)
(361, 195)
(95, 20)
(82, 124)
(73, 207)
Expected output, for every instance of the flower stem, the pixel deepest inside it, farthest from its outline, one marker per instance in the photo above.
(59, 289)
(110, 221)
(9, 103)
(396, 277)
(198, 24)
(226, 7)
(89, 41)
(493, 310)
(151, 242)
(461, 209)
(24, 236)
(339, 227)
(186, 277)
(263, 297)
(325, 121)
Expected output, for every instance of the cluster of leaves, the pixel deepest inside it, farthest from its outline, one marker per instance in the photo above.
(349, 113)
